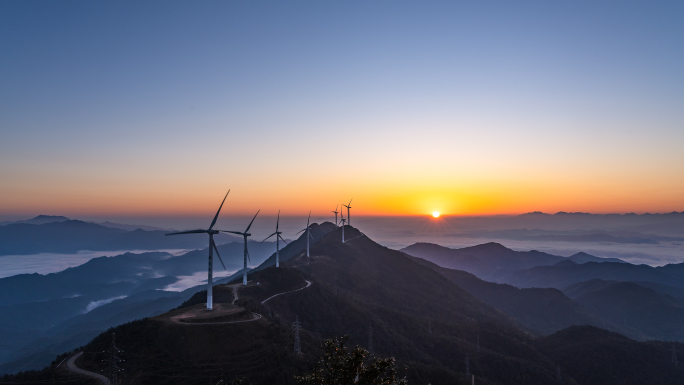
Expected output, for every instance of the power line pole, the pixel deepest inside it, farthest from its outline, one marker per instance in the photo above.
(674, 356)
(113, 359)
(297, 344)
(467, 371)
(370, 339)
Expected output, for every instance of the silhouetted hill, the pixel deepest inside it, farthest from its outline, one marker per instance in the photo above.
(72, 236)
(494, 262)
(98, 278)
(560, 277)
(656, 315)
(583, 257)
(541, 311)
(488, 261)
(43, 313)
(40, 347)
(592, 356)
(295, 247)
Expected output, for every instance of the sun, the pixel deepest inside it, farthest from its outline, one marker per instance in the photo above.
(435, 214)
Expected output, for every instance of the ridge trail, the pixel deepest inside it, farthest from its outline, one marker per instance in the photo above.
(71, 366)
(256, 316)
(308, 283)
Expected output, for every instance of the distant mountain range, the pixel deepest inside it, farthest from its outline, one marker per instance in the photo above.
(493, 261)
(639, 301)
(43, 219)
(71, 236)
(573, 236)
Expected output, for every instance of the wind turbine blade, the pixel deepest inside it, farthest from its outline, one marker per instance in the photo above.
(311, 235)
(232, 232)
(307, 221)
(282, 239)
(300, 231)
(219, 210)
(278, 221)
(250, 223)
(269, 237)
(248, 257)
(188, 232)
(349, 204)
(217, 254)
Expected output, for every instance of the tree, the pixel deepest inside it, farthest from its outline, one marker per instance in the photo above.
(338, 366)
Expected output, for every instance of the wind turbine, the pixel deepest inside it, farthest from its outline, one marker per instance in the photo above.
(308, 234)
(277, 234)
(335, 214)
(245, 234)
(212, 247)
(348, 206)
(342, 220)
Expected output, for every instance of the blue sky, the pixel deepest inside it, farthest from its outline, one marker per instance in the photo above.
(104, 102)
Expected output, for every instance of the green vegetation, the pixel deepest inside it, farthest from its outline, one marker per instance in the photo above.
(338, 366)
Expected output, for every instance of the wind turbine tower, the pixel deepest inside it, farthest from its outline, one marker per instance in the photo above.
(336, 214)
(245, 234)
(308, 234)
(348, 206)
(212, 247)
(343, 221)
(277, 234)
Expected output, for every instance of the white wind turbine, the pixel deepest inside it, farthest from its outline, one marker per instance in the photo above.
(212, 247)
(308, 234)
(245, 234)
(342, 220)
(277, 234)
(336, 214)
(348, 206)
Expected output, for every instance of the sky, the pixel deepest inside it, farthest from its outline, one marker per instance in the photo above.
(157, 108)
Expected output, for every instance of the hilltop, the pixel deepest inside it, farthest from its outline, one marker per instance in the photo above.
(425, 320)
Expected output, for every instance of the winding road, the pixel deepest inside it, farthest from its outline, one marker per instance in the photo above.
(71, 366)
(308, 283)
(255, 316)
(71, 363)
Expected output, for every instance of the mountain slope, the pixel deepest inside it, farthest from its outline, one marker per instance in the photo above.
(597, 357)
(560, 277)
(417, 315)
(656, 315)
(487, 261)
(295, 247)
(542, 311)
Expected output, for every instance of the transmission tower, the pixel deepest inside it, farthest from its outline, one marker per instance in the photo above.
(114, 369)
(370, 339)
(467, 372)
(297, 344)
(674, 356)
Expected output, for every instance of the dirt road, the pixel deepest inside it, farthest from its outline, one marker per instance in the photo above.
(71, 365)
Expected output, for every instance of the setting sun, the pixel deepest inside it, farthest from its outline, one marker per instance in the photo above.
(435, 214)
